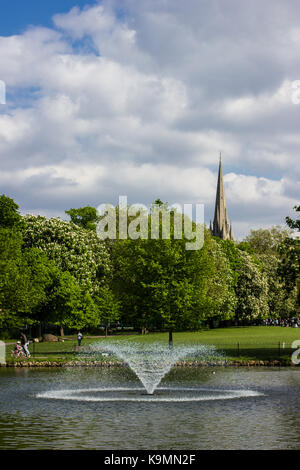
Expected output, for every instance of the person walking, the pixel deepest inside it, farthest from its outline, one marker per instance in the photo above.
(79, 338)
(24, 344)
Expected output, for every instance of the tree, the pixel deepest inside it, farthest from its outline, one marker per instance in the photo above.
(294, 224)
(289, 267)
(163, 285)
(219, 280)
(73, 249)
(264, 241)
(108, 307)
(9, 213)
(14, 278)
(69, 304)
(251, 290)
(84, 217)
(82, 269)
(249, 283)
(151, 278)
(25, 280)
(282, 303)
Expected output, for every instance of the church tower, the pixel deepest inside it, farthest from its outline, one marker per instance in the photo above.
(221, 227)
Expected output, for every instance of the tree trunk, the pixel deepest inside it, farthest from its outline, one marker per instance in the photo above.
(105, 331)
(61, 331)
(170, 338)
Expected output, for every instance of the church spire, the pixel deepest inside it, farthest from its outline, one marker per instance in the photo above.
(231, 236)
(221, 226)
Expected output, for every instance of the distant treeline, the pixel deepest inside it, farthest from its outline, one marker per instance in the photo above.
(59, 272)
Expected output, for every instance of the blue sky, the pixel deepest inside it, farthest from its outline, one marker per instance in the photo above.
(17, 15)
(138, 97)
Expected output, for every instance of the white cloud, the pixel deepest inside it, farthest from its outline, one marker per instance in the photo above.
(142, 104)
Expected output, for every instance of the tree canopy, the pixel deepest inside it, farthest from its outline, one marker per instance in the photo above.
(84, 217)
(62, 273)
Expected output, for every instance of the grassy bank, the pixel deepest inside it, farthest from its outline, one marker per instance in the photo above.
(239, 344)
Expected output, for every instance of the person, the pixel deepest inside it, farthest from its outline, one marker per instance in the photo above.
(79, 338)
(26, 350)
(23, 338)
(25, 344)
(17, 351)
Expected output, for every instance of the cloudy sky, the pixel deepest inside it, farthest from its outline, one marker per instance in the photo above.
(138, 97)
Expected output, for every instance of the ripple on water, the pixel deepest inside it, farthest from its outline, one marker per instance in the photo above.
(138, 394)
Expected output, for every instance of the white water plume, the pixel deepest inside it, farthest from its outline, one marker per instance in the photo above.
(151, 362)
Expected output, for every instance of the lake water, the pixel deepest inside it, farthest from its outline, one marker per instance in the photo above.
(220, 408)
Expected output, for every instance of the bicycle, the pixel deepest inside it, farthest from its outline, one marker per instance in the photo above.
(18, 352)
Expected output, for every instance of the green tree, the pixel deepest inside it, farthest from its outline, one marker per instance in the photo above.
(251, 290)
(264, 241)
(69, 304)
(108, 307)
(150, 278)
(14, 278)
(249, 282)
(294, 224)
(84, 217)
(163, 285)
(73, 249)
(282, 303)
(25, 279)
(219, 280)
(289, 251)
(9, 213)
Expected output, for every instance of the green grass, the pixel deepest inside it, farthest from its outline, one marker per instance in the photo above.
(262, 335)
(56, 351)
(238, 343)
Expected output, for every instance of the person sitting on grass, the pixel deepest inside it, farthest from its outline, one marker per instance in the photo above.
(17, 351)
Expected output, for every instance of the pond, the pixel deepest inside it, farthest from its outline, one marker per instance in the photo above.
(107, 408)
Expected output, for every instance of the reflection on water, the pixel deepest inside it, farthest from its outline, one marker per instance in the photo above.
(193, 409)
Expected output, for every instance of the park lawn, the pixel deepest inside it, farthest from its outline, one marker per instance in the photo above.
(266, 343)
(237, 343)
(245, 335)
(52, 351)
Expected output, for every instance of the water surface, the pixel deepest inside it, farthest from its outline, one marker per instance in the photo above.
(119, 415)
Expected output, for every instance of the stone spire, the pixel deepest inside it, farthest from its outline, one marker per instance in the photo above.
(221, 226)
(231, 236)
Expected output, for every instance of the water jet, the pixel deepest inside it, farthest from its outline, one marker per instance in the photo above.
(152, 361)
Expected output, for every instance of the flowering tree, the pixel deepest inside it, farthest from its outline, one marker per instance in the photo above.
(250, 283)
(73, 249)
(289, 267)
(251, 290)
(282, 301)
(220, 296)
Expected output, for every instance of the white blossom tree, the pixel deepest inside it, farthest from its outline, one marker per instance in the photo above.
(73, 249)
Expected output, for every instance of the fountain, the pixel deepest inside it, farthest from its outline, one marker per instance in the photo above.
(150, 362)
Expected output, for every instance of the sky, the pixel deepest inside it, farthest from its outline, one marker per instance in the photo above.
(138, 98)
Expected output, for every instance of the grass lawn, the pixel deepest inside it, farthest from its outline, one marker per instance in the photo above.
(56, 351)
(238, 343)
